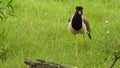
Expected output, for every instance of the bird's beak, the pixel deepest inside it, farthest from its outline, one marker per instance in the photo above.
(79, 12)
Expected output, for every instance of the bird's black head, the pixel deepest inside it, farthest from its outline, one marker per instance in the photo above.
(79, 10)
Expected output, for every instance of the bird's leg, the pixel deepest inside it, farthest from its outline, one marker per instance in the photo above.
(75, 40)
(76, 47)
(84, 41)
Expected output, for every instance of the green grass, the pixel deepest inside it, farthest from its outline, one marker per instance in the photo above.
(39, 31)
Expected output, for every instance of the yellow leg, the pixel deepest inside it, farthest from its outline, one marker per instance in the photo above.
(84, 41)
(76, 47)
(75, 40)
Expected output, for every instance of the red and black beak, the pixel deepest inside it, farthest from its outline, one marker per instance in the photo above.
(79, 10)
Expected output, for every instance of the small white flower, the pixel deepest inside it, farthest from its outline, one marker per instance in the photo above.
(107, 32)
(106, 21)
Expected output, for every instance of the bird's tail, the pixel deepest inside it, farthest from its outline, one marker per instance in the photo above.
(89, 36)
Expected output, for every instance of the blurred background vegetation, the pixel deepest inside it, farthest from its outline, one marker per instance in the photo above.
(37, 29)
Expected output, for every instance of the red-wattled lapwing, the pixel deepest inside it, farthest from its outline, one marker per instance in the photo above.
(78, 24)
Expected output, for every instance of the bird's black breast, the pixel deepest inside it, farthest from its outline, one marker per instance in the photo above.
(77, 22)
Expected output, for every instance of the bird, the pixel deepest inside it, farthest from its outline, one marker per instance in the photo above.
(77, 24)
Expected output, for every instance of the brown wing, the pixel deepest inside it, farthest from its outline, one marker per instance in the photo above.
(69, 20)
(87, 25)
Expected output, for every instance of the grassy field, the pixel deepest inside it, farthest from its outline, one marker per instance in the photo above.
(39, 31)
